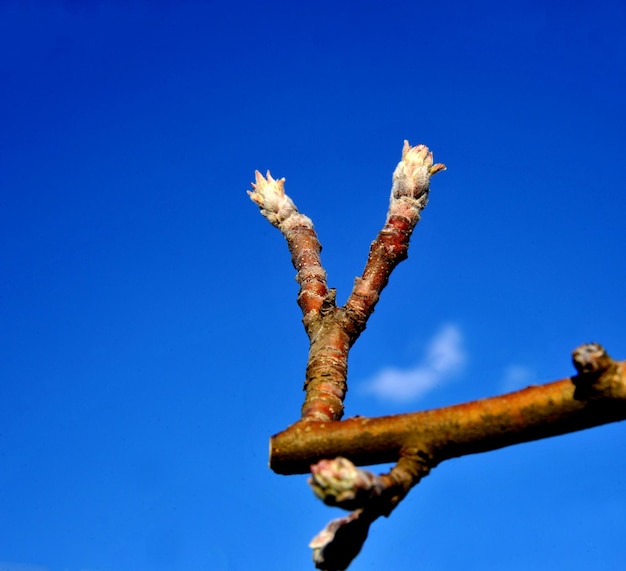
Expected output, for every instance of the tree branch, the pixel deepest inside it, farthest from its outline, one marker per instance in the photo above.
(302, 240)
(409, 196)
(418, 441)
(331, 330)
(586, 400)
(339, 483)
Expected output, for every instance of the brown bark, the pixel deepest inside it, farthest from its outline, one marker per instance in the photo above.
(417, 441)
(331, 330)
(479, 426)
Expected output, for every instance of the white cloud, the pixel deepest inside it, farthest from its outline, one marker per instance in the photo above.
(443, 359)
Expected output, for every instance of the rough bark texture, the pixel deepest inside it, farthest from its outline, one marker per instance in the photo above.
(418, 441)
(479, 426)
(332, 330)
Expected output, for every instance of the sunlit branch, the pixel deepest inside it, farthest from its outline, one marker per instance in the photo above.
(333, 330)
(597, 395)
(416, 442)
(536, 412)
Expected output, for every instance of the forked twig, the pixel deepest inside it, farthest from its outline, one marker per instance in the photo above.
(418, 441)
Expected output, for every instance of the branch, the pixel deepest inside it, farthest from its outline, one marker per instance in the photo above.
(302, 240)
(585, 400)
(420, 441)
(333, 330)
(409, 196)
(339, 483)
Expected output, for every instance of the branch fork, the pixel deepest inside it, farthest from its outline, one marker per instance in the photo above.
(332, 449)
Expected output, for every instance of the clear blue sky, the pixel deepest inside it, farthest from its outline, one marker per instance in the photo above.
(150, 342)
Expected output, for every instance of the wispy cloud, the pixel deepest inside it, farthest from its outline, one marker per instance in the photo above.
(443, 359)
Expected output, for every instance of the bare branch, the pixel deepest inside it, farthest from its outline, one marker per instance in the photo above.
(418, 441)
(302, 241)
(530, 414)
(409, 195)
(599, 388)
(338, 482)
(332, 331)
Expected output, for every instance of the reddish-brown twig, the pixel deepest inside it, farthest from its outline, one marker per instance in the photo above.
(333, 330)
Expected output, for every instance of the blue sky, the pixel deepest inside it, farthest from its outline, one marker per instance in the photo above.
(150, 342)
